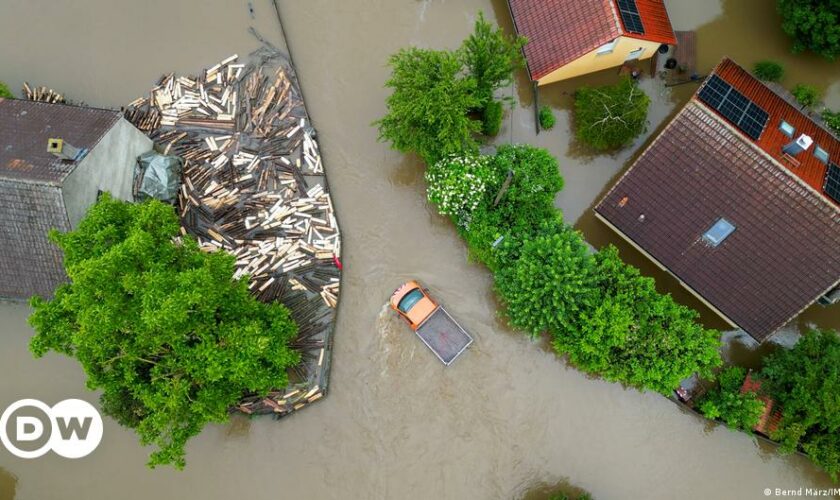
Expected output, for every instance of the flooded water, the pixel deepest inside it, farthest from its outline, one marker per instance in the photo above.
(508, 416)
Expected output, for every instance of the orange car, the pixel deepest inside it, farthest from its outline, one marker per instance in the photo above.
(435, 327)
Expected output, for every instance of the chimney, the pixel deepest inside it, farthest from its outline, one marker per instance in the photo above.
(64, 151)
(802, 143)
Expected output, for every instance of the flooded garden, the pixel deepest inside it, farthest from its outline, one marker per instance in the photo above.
(506, 419)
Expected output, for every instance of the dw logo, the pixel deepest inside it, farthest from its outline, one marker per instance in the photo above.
(30, 428)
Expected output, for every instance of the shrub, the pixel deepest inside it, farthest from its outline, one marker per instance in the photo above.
(611, 116)
(813, 24)
(547, 119)
(527, 202)
(806, 95)
(492, 118)
(632, 334)
(5, 92)
(832, 120)
(727, 403)
(805, 381)
(769, 71)
(428, 111)
(491, 57)
(457, 185)
(160, 326)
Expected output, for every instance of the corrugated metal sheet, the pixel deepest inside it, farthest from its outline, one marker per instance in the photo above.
(25, 127)
(783, 253)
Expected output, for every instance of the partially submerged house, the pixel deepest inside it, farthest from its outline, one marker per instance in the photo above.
(569, 38)
(54, 160)
(739, 199)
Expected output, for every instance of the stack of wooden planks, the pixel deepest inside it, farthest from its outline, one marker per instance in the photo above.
(254, 186)
(42, 94)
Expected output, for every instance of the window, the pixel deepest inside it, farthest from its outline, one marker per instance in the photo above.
(821, 154)
(409, 300)
(717, 233)
(787, 128)
(607, 48)
(635, 54)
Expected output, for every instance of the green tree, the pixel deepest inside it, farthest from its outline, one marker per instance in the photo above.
(429, 109)
(806, 95)
(769, 71)
(527, 201)
(5, 92)
(160, 326)
(551, 283)
(611, 116)
(805, 381)
(491, 118)
(491, 57)
(726, 402)
(632, 334)
(813, 24)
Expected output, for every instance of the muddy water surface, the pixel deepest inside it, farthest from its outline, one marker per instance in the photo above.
(507, 417)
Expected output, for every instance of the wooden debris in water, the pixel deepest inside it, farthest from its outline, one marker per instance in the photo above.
(252, 186)
(42, 94)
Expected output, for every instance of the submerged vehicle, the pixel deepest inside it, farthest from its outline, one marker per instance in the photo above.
(430, 321)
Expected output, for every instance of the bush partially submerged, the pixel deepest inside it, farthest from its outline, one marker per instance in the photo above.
(492, 118)
(547, 119)
(612, 116)
(5, 92)
(769, 71)
(813, 24)
(806, 95)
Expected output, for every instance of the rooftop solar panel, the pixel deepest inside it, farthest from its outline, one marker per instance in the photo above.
(832, 182)
(630, 16)
(734, 106)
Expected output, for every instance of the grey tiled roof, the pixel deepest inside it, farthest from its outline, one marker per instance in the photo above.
(783, 253)
(25, 127)
(29, 263)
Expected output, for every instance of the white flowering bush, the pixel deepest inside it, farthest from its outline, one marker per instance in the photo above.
(457, 184)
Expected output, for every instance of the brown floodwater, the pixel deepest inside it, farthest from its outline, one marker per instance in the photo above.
(509, 416)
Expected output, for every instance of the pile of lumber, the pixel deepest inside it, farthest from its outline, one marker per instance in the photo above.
(42, 94)
(254, 186)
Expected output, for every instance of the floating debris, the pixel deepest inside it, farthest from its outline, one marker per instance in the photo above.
(42, 94)
(254, 186)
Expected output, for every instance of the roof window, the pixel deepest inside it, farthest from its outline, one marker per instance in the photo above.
(719, 232)
(787, 128)
(821, 154)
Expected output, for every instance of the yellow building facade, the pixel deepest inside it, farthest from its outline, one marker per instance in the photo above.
(609, 55)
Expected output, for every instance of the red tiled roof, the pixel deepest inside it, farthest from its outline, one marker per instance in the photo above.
(772, 414)
(560, 31)
(656, 22)
(810, 169)
(782, 255)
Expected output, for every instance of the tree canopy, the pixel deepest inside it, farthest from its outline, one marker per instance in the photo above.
(805, 381)
(740, 411)
(5, 92)
(611, 116)
(813, 24)
(159, 325)
(428, 111)
(491, 57)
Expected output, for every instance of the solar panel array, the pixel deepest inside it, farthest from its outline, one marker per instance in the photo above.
(832, 182)
(734, 106)
(630, 16)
